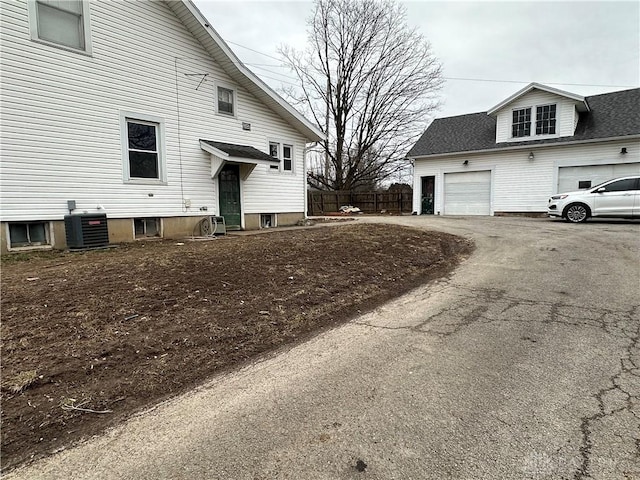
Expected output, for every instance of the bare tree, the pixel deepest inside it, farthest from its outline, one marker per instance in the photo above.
(370, 82)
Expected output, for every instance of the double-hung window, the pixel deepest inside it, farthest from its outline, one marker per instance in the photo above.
(287, 158)
(143, 148)
(274, 151)
(226, 103)
(521, 126)
(61, 22)
(546, 120)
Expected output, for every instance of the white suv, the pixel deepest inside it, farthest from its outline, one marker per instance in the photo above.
(619, 197)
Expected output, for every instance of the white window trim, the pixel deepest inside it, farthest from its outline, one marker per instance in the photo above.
(48, 233)
(534, 120)
(160, 139)
(281, 144)
(86, 27)
(234, 90)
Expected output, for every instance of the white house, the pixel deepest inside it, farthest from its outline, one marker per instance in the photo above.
(138, 110)
(512, 158)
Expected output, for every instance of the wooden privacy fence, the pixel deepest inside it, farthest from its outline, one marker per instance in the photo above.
(323, 203)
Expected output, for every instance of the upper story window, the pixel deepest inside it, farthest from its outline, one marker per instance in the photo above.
(284, 153)
(546, 120)
(143, 149)
(287, 158)
(521, 123)
(226, 101)
(63, 23)
(274, 151)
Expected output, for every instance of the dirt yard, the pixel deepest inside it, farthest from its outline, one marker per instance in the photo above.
(89, 338)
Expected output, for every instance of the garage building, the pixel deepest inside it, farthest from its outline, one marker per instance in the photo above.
(512, 158)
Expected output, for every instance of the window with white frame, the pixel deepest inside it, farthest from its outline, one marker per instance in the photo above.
(521, 126)
(226, 101)
(29, 234)
(143, 148)
(274, 151)
(287, 158)
(61, 22)
(546, 120)
(284, 153)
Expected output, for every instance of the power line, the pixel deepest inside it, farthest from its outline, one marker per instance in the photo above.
(256, 51)
(465, 79)
(275, 73)
(528, 81)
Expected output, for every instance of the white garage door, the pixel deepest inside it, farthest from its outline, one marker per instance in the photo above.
(467, 193)
(577, 178)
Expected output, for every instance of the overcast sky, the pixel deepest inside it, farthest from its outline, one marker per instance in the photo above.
(582, 47)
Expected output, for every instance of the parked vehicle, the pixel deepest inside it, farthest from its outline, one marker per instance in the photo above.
(619, 197)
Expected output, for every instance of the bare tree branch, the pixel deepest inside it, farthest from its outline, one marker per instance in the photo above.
(376, 79)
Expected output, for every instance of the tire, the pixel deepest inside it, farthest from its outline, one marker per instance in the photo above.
(577, 213)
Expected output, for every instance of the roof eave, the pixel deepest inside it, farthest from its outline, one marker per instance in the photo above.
(210, 149)
(521, 147)
(221, 52)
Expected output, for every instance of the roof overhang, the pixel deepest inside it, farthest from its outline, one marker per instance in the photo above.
(581, 103)
(220, 158)
(521, 147)
(198, 25)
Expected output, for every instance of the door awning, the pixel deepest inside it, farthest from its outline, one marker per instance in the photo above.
(245, 155)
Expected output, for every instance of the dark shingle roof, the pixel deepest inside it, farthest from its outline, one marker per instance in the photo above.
(614, 114)
(240, 151)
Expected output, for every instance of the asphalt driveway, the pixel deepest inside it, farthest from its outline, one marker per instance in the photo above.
(523, 364)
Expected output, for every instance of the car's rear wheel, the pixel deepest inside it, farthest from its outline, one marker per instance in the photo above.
(576, 213)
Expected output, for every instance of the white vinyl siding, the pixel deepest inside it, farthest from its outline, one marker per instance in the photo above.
(467, 193)
(566, 116)
(62, 139)
(519, 184)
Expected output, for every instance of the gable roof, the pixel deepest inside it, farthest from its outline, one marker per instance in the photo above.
(198, 25)
(610, 115)
(582, 105)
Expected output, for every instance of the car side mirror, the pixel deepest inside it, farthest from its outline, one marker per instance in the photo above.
(601, 189)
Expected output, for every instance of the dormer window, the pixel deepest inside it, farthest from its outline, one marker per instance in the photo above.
(521, 123)
(546, 120)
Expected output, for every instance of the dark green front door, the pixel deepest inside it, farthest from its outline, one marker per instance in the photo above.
(229, 182)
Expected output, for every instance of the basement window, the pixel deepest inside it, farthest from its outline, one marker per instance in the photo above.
(29, 234)
(267, 220)
(584, 184)
(146, 227)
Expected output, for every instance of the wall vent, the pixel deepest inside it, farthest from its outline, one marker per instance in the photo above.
(86, 231)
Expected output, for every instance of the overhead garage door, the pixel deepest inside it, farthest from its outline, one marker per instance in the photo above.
(467, 193)
(577, 178)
